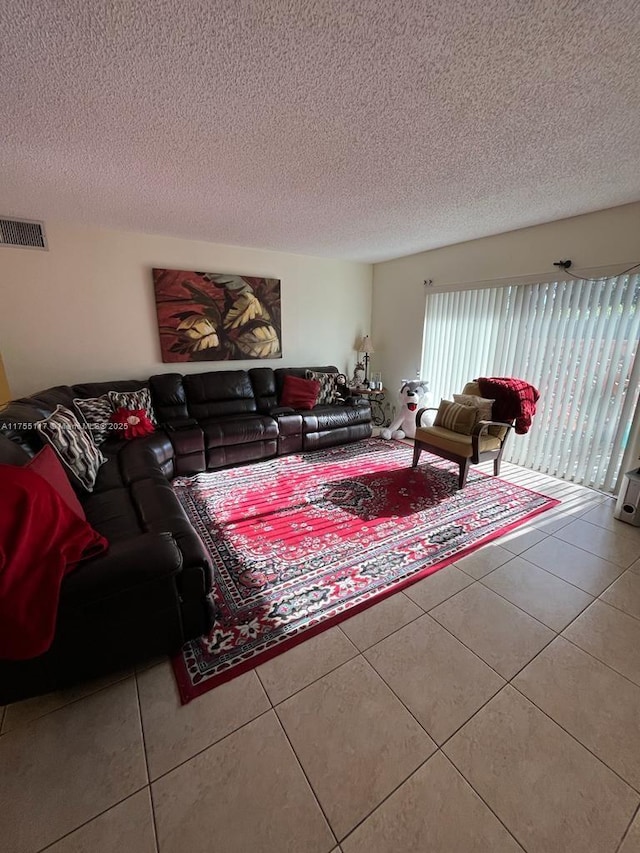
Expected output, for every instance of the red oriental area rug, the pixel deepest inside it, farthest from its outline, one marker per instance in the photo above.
(301, 542)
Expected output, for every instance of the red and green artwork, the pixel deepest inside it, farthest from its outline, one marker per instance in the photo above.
(205, 316)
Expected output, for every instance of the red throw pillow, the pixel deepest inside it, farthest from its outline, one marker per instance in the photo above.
(49, 467)
(131, 423)
(299, 393)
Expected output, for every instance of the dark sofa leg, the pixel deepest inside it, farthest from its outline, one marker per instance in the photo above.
(464, 470)
(417, 450)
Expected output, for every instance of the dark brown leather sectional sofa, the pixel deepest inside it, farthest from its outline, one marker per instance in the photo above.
(149, 593)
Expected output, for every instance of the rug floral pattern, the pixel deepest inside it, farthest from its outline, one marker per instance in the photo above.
(300, 542)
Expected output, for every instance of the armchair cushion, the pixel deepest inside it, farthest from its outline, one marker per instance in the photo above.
(455, 417)
(455, 442)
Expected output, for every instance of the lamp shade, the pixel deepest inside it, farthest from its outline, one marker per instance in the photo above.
(365, 345)
(5, 394)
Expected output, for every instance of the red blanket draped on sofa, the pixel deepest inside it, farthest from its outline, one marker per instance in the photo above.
(41, 540)
(515, 399)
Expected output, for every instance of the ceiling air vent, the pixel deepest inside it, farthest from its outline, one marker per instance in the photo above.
(22, 232)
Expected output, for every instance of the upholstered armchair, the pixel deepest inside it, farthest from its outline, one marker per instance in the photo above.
(469, 442)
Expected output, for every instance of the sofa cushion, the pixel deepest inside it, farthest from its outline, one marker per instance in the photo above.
(97, 389)
(263, 382)
(73, 445)
(12, 453)
(322, 418)
(168, 397)
(147, 457)
(238, 430)
(219, 394)
(109, 475)
(157, 506)
(113, 514)
(126, 566)
(47, 400)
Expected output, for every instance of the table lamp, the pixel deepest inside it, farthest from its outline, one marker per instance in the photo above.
(5, 394)
(365, 346)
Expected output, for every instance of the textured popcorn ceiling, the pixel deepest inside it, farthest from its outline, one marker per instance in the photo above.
(360, 129)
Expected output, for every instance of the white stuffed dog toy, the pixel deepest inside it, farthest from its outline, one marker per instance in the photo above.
(410, 396)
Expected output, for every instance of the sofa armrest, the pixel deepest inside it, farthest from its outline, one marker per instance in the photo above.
(357, 402)
(274, 411)
(179, 424)
(128, 563)
(147, 457)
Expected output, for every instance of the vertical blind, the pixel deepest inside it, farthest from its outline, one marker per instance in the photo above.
(576, 341)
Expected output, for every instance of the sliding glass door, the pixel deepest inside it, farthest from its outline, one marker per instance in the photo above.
(576, 341)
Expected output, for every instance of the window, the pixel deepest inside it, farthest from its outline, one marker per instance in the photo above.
(576, 341)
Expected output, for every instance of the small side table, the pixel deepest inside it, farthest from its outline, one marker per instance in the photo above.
(376, 399)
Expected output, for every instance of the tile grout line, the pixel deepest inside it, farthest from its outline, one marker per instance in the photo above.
(593, 553)
(510, 683)
(615, 606)
(302, 770)
(556, 634)
(263, 688)
(209, 746)
(595, 657)
(309, 683)
(413, 772)
(549, 572)
(391, 633)
(60, 707)
(146, 764)
(626, 832)
(91, 819)
(635, 788)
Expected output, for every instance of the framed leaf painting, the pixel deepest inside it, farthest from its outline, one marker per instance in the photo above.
(206, 316)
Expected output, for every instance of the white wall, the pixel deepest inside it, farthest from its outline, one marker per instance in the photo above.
(599, 239)
(85, 311)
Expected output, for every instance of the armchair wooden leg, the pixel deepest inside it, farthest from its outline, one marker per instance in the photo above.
(417, 450)
(496, 466)
(464, 470)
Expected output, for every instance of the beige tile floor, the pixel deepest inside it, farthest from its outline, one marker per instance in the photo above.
(494, 706)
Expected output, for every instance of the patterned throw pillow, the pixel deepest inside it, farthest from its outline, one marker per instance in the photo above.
(482, 404)
(329, 386)
(74, 447)
(134, 400)
(455, 417)
(96, 412)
